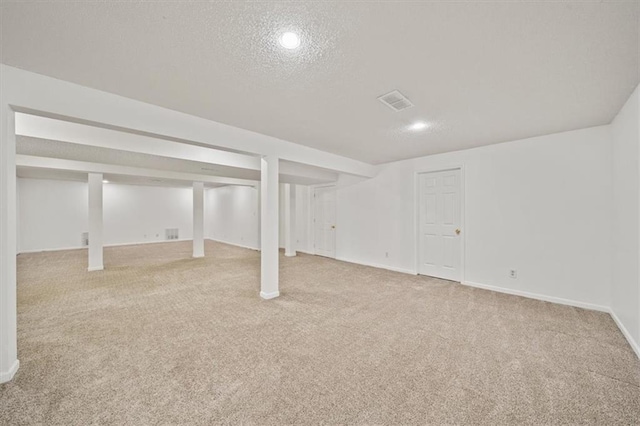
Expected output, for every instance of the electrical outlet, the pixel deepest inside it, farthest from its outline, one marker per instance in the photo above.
(513, 273)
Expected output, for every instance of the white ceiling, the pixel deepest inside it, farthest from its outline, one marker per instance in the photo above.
(480, 73)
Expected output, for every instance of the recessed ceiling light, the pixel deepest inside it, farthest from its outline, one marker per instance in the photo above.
(418, 125)
(105, 181)
(290, 40)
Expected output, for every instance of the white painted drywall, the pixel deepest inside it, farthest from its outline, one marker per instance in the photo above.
(540, 205)
(8, 241)
(54, 213)
(625, 286)
(136, 214)
(303, 219)
(233, 215)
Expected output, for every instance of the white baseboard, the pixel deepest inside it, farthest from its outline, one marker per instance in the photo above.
(233, 244)
(6, 376)
(375, 265)
(268, 296)
(55, 249)
(106, 245)
(95, 268)
(148, 242)
(538, 296)
(634, 345)
(256, 248)
(290, 254)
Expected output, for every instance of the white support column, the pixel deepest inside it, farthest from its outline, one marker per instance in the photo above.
(8, 331)
(198, 219)
(289, 220)
(95, 222)
(269, 227)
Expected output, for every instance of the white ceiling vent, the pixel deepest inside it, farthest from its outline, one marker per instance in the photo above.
(396, 101)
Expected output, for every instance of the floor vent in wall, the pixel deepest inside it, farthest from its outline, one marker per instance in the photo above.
(84, 238)
(171, 234)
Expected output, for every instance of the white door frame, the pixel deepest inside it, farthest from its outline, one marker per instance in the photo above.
(312, 232)
(416, 212)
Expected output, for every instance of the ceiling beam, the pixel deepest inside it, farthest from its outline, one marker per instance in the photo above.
(64, 131)
(40, 95)
(47, 128)
(87, 167)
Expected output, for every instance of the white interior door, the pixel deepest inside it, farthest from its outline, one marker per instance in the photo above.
(440, 240)
(324, 221)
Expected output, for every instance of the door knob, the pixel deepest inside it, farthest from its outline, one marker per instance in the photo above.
(457, 231)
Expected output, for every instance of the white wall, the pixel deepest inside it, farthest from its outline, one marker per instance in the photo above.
(134, 214)
(303, 219)
(137, 214)
(302, 200)
(625, 287)
(232, 215)
(541, 206)
(54, 213)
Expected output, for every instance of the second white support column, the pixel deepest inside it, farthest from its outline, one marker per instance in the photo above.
(198, 219)
(95, 222)
(269, 227)
(289, 220)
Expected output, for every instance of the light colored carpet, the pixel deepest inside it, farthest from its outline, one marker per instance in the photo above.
(160, 338)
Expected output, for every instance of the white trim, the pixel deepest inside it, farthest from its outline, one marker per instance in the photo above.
(591, 306)
(107, 245)
(54, 249)
(416, 212)
(634, 345)
(95, 268)
(293, 254)
(377, 265)
(233, 244)
(538, 296)
(6, 376)
(267, 296)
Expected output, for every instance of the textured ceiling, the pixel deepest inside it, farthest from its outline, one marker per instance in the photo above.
(479, 73)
